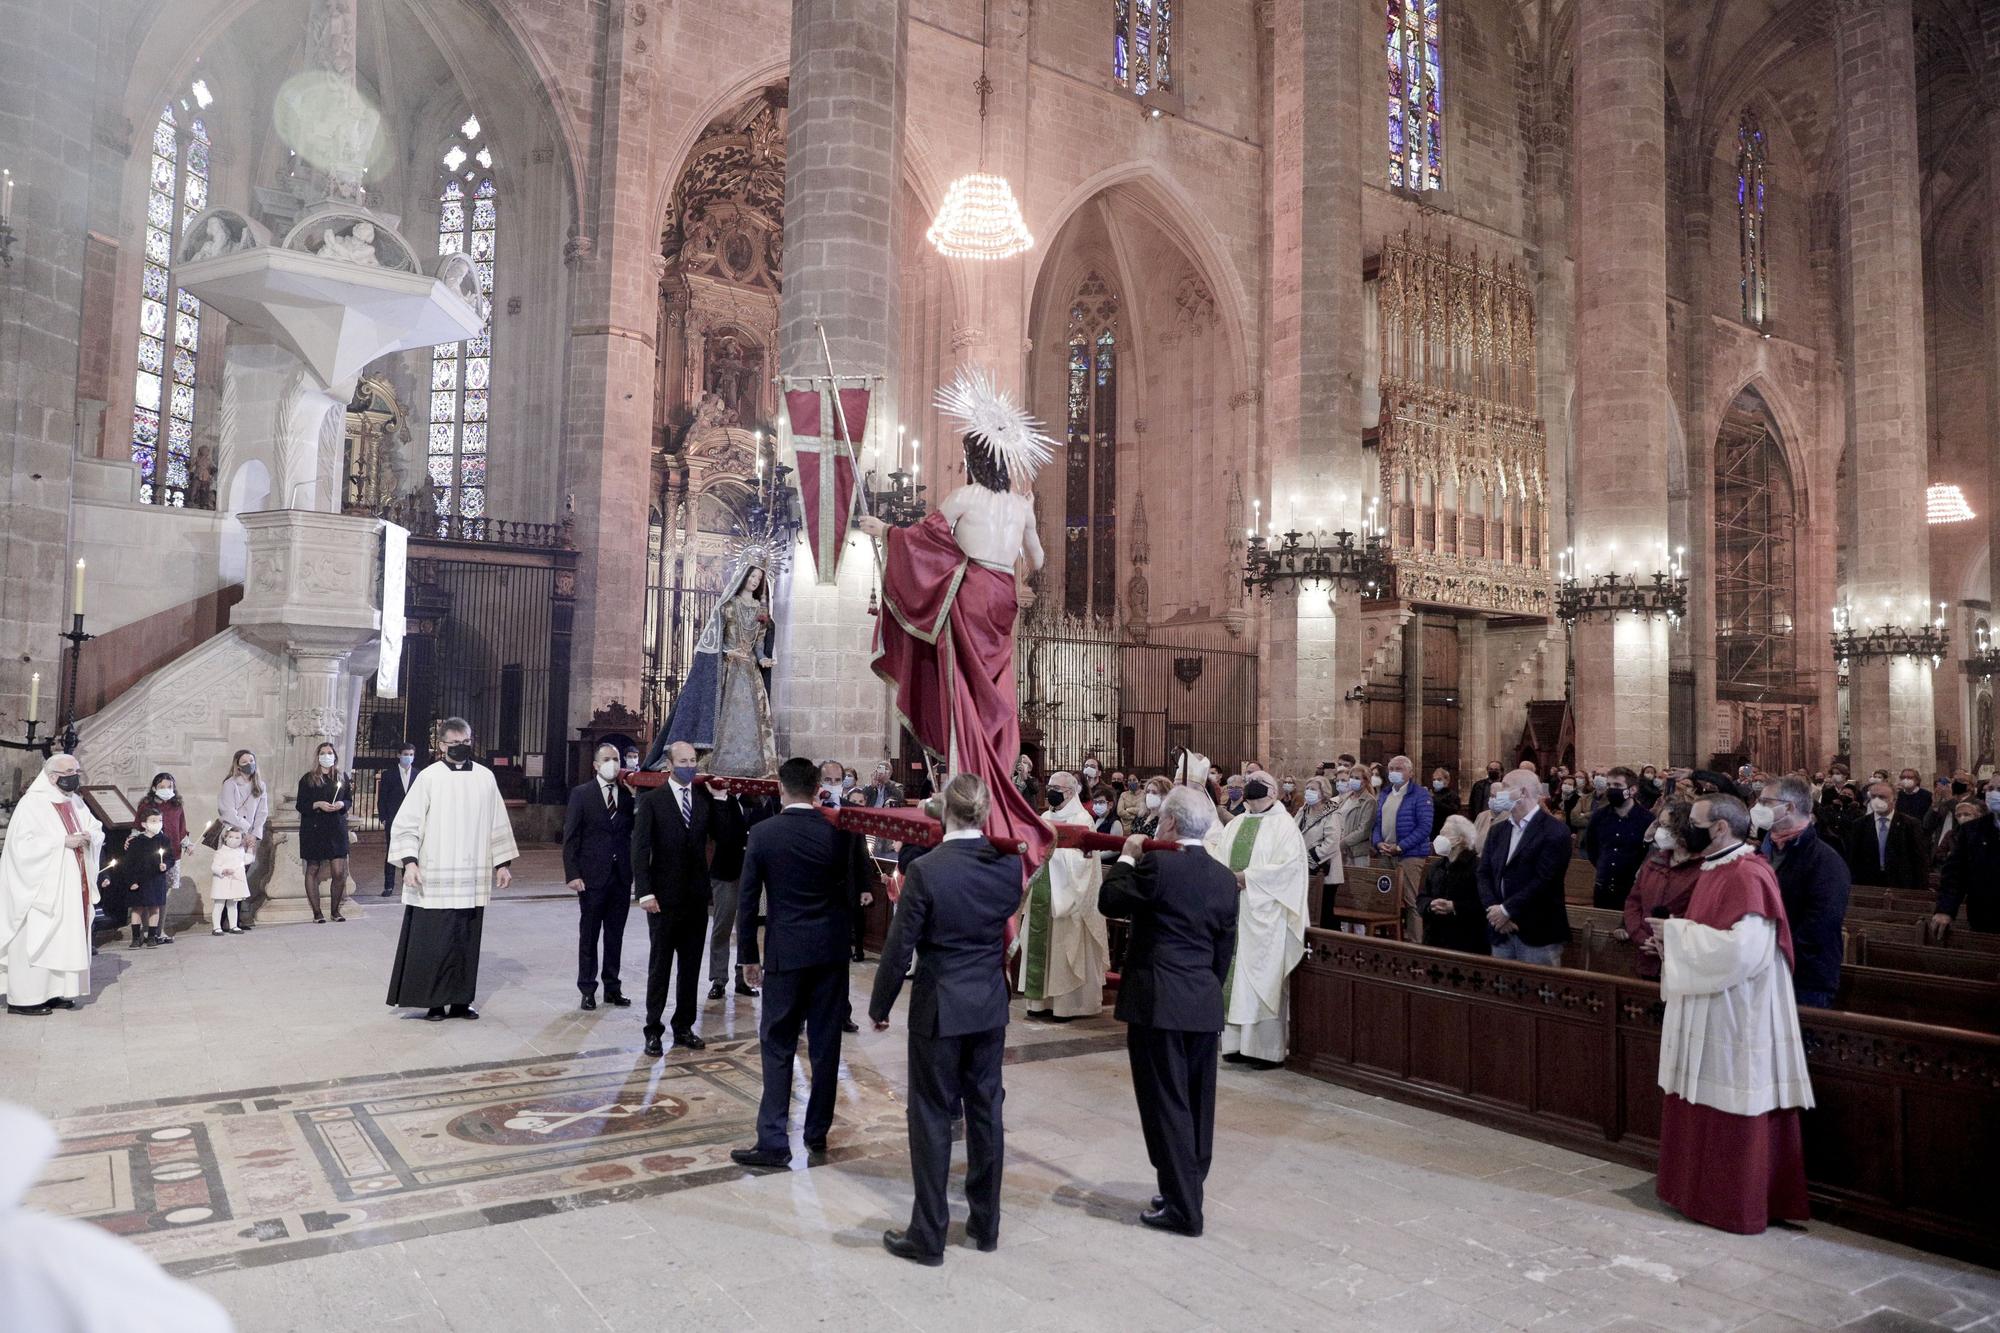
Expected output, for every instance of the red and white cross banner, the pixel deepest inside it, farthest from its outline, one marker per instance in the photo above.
(829, 483)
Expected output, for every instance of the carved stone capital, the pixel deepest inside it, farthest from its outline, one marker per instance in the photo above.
(965, 337)
(579, 249)
(318, 721)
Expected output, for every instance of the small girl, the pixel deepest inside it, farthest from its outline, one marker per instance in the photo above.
(229, 882)
(142, 870)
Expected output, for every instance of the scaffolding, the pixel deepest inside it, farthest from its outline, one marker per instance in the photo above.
(1756, 565)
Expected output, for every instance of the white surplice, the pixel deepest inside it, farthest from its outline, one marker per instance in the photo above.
(1730, 1036)
(1077, 952)
(455, 825)
(44, 915)
(1270, 929)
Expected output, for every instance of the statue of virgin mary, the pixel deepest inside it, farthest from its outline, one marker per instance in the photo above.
(724, 707)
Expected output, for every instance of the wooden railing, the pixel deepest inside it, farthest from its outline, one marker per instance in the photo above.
(1900, 1142)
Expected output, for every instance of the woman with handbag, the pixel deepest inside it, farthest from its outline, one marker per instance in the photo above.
(323, 797)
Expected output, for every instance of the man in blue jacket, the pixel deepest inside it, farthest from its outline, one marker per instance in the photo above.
(1813, 881)
(1614, 841)
(1403, 831)
(1521, 868)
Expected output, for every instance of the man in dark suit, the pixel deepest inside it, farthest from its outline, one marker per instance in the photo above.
(670, 876)
(1182, 906)
(1885, 848)
(729, 835)
(811, 873)
(953, 914)
(1521, 870)
(390, 790)
(597, 863)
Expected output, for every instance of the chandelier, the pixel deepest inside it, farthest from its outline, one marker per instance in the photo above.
(1946, 504)
(979, 218)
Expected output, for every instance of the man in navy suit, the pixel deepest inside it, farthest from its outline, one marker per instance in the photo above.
(670, 877)
(390, 789)
(812, 874)
(953, 914)
(597, 862)
(1521, 870)
(1183, 907)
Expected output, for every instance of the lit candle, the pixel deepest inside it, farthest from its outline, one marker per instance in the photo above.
(6, 196)
(76, 603)
(35, 697)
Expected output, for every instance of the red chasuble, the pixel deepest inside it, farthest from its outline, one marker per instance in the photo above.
(1736, 1173)
(945, 644)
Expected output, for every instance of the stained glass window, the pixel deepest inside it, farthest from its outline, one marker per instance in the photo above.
(1416, 95)
(164, 387)
(1142, 45)
(1090, 510)
(462, 373)
(1751, 165)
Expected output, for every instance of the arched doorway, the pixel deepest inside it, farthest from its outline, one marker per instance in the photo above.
(1765, 702)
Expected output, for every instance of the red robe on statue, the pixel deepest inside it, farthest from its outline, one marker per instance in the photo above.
(945, 644)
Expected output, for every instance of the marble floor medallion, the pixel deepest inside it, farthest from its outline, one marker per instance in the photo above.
(285, 1173)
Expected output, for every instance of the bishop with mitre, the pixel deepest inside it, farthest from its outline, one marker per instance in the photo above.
(1262, 846)
(48, 889)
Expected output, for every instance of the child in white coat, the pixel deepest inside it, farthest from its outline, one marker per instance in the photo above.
(229, 881)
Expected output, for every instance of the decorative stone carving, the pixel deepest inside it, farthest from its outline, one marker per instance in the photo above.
(578, 249)
(218, 232)
(321, 723)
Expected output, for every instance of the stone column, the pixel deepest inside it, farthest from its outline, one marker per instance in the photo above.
(614, 299)
(1991, 268)
(1413, 694)
(48, 104)
(1889, 702)
(1693, 648)
(1312, 419)
(1620, 486)
(843, 168)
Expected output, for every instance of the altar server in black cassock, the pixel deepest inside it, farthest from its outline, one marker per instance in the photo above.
(1182, 906)
(597, 864)
(953, 914)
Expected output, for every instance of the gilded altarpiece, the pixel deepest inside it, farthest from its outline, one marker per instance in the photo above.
(1462, 456)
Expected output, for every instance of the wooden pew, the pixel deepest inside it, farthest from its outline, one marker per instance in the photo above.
(1887, 952)
(1572, 1058)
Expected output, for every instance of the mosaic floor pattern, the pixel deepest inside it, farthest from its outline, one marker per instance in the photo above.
(277, 1174)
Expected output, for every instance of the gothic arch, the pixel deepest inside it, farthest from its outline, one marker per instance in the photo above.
(1786, 428)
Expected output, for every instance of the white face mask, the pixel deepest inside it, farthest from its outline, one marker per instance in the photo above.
(1350, 785)
(1374, 779)
(326, 761)
(1397, 777)
(1663, 838)
(406, 760)
(1099, 808)
(1909, 784)
(1438, 784)
(1312, 795)
(1762, 816)
(1290, 788)
(1569, 789)
(164, 791)
(1879, 804)
(1500, 802)
(1090, 773)
(607, 769)
(152, 828)
(1152, 800)
(1441, 845)
(1600, 782)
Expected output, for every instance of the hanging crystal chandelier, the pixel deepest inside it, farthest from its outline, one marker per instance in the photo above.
(1946, 504)
(980, 220)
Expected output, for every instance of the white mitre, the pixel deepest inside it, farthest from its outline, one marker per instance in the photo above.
(1191, 770)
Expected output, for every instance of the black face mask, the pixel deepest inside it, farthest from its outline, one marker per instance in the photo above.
(69, 782)
(1057, 797)
(1616, 795)
(1958, 789)
(1697, 839)
(459, 753)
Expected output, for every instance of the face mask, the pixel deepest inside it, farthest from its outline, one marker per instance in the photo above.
(1312, 796)
(1569, 789)
(70, 782)
(1958, 789)
(608, 769)
(1152, 800)
(1993, 801)
(1099, 808)
(1762, 816)
(1374, 779)
(249, 768)
(152, 828)
(406, 761)
(1441, 845)
(632, 761)
(326, 761)
(1699, 838)
(1616, 795)
(164, 792)
(1909, 784)
(1600, 782)
(1057, 797)
(1648, 775)
(1290, 787)
(1500, 802)
(459, 752)
(684, 774)
(1090, 773)
(1879, 804)
(1397, 777)
(1350, 785)
(847, 784)
(1235, 794)
(1438, 784)
(1663, 838)
(1493, 774)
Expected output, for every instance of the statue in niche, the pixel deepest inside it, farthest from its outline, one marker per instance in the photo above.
(217, 240)
(699, 242)
(356, 246)
(710, 412)
(201, 479)
(733, 373)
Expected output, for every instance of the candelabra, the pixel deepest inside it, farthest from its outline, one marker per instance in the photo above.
(772, 518)
(901, 504)
(1317, 559)
(1986, 660)
(1932, 640)
(1664, 592)
(47, 745)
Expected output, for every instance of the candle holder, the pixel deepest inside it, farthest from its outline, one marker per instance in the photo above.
(901, 504)
(1986, 660)
(1931, 641)
(1663, 593)
(1318, 560)
(6, 245)
(77, 638)
(46, 747)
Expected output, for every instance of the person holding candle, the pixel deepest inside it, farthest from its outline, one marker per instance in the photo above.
(141, 871)
(163, 798)
(324, 795)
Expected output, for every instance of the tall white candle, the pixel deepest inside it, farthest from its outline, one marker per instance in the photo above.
(76, 603)
(35, 697)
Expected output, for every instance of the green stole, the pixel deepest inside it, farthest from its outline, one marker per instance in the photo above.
(1035, 966)
(1239, 861)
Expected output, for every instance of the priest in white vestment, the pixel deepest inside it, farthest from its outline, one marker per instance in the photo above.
(1263, 847)
(48, 890)
(454, 841)
(1732, 1060)
(1065, 950)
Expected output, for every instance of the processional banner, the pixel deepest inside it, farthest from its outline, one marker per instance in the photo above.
(827, 434)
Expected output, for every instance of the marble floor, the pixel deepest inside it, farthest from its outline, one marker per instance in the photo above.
(250, 1112)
